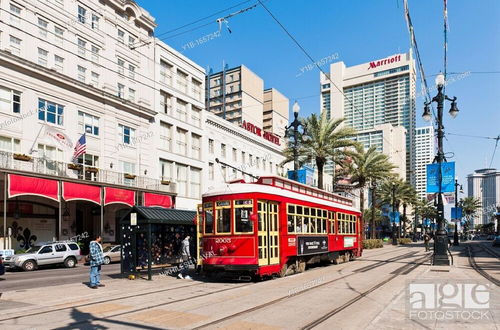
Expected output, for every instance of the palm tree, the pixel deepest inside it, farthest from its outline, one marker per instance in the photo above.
(365, 167)
(470, 206)
(323, 138)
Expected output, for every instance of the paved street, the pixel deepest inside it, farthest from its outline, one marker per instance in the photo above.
(366, 293)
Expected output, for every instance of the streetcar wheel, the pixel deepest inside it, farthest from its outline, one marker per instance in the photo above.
(283, 270)
(302, 266)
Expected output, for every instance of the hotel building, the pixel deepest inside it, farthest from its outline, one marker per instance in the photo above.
(375, 93)
(484, 184)
(424, 154)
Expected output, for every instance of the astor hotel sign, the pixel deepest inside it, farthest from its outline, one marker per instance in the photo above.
(258, 131)
(376, 64)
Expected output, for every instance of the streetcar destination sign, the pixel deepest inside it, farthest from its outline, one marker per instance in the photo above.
(312, 245)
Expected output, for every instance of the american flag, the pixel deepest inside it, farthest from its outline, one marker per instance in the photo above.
(80, 147)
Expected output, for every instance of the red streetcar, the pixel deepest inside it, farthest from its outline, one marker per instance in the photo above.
(276, 226)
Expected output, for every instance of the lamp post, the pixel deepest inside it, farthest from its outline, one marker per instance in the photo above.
(295, 125)
(394, 238)
(440, 241)
(455, 235)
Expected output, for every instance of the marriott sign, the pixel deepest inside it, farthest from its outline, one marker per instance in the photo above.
(390, 60)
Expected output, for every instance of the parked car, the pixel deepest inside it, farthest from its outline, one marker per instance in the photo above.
(64, 252)
(2, 267)
(112, 253)
(490, 237)
(496, 241)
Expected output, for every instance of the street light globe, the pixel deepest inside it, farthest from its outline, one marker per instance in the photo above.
(453, 109)
(296, 107)
(427, 113)
(440, 80)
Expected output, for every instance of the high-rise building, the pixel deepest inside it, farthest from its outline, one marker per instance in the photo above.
(238, 95)
(484, 184)
(424, 154)
(374, 93)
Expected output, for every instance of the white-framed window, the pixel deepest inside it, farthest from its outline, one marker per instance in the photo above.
(50, 112)
(166, 135)
(42, 57)
(181, 112)
(49, 156)
(59, 63)
(182, 83)
(95, 22)
(166, 169)
(182, 141)
(131, 71)
(131, 41)
(235, 154)
(166, 102)
(59, 35)
(88, 124)
(195, 183)
(127, 134)
(10, 100)
(223, 150)
(121, 91)
(182, 174)
(129, 168)
(195, 146)
(42, 27)
(15, 45)
(211, 171)
(94, 79)
(121, 36)
(165, 72)
(82, 73)
(82, 47)
(10, 144)
(196, 87)
(211, 146)
(82, 14)
(15, 14)
(121, 66)
(195, 116)
(91, 161)
(95, 53)
(131, 95)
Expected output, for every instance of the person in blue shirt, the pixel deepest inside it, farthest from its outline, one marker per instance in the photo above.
(96, 260)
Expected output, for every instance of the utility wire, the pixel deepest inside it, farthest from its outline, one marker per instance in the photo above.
(494, 150)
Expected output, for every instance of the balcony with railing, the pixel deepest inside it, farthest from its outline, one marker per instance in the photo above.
(61, 170)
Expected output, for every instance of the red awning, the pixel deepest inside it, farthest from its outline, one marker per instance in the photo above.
(77, 191)
(20, 185)
(120, 196)
(157, 200)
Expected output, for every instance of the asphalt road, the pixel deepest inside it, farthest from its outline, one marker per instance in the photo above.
(19, 280)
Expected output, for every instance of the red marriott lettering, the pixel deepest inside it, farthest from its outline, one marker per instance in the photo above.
(258, 131)
(378, 63)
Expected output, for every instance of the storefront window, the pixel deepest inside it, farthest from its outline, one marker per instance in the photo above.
(223, 215)
(242, 211)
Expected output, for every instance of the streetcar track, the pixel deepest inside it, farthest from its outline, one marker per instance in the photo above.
(396, 258)
(404, 270)
(480, 270)
(275, 301)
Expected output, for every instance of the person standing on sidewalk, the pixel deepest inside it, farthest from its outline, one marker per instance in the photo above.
(186, 258)
(427, 238)
(96, 260)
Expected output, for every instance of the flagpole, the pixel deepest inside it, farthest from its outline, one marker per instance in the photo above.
(36, 139)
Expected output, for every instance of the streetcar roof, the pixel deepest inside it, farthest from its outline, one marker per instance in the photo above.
(241, 188)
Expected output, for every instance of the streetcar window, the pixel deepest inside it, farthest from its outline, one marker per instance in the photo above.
(223, 216)
(291, 223)
(242, 211)
(209, 220)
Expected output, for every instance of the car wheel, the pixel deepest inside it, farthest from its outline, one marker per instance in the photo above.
(107, 260)
(29, 265)
(70, 262)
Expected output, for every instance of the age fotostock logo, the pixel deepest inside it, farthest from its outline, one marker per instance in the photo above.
(460, 300)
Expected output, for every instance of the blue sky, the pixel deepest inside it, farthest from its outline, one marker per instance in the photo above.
(359, 31)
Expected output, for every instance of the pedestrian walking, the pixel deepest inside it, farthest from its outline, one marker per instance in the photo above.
(96, 260)
(186, 257)
(427, 238)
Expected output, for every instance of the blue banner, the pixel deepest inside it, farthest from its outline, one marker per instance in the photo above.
(447, 175)
(427, 222)
(456, 213)
(394, 216)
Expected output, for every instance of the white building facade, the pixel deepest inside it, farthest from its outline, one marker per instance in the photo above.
(374, 93)
(424, 154)
(484, 184)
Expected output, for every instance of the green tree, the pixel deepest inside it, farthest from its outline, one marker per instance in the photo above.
(470, 206)
(367, 166)
(322, 141)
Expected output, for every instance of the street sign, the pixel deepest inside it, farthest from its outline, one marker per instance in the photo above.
(456, 213)
(394, 216)
(447, 175)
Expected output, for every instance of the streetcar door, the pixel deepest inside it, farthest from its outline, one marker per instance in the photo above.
(268, 232)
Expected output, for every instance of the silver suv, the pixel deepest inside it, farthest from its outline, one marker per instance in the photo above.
(64, 252)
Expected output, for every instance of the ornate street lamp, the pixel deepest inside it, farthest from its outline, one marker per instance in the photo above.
(394, 238)
(440, 241)
(455, 235)
(295, 125)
